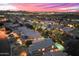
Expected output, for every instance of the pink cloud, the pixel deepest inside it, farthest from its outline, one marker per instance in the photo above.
(40, 7)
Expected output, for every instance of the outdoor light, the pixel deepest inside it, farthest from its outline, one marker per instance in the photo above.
(52, 46)
(39, 49)
(23, 53)
(43, 49)
(70, 25)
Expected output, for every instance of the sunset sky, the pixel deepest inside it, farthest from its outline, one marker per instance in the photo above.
(41, 7)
